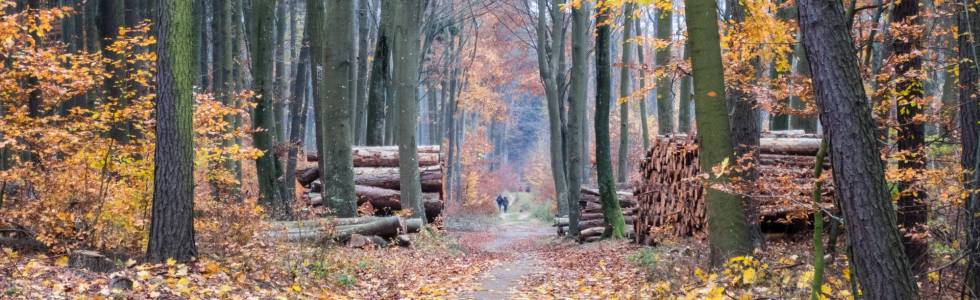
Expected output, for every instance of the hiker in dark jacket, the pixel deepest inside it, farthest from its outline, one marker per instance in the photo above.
(502, 203)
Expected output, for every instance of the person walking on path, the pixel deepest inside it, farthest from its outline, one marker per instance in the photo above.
(502, 203)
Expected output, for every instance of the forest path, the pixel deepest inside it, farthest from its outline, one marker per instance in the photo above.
(516, 239)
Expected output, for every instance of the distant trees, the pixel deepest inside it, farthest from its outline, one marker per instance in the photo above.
(882, 268)
(728, 230)
(172, 217)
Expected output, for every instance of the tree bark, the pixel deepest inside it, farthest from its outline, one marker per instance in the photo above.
(577, 157)
(297, 107)
(612, 213)
(267, 166)
(379, 81)
(172, 218)
(624, 93)
(331, 37)
(641, 61)
(882, 268)
(363, 42)
(745, 134)
(547, 68)
(405, 33)
(969, 26)
(665, 98)
(728, 231)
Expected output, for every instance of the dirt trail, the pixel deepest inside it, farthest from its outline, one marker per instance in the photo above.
(517, 238)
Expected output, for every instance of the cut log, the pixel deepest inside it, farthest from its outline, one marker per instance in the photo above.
(90, 260)
(798, 146)
(413, 225)
(375, 157)
(371, 151)
(306, 176)
(404, 240)
(670, 196)
(386, 227)
(387, 201)
(388, 178)
(316, 230)
(120, 282)
(584, 234)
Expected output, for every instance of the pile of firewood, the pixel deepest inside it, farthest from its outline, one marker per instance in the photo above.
(670, 194)
(377, 179)
(354, 232)
(591, 223)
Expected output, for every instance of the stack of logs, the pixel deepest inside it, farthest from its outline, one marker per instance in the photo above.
(591, 223)
(377, 179)
(355, 232)
(670, 195)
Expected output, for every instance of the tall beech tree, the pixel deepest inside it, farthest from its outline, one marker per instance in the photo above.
(611, 212)
(405, 49)
(297, 108)
(859, 181)
(665, 98)
(380, 76)
(267, 167)
(549, 53)
(330, 61)
(728, 230)
(172, 219)
(577, 156)
(640, 59)
(624, 93)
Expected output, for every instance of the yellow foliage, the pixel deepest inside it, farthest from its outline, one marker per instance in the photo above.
(81, 158)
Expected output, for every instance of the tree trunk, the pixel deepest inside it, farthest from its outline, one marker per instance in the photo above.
(577, 157)
(267, 166)
(882, 268)
(612, 213)
(913, 211)
(547, 60)
(686, 118)
(331, 37)
(745, 134)
(728, 231)
(641, 61)
(280, 80)
(363, 42)
(379, 81)
(297, 107)
(665, 98)
(405, 34)
(624, 93)
(969, 24)
(172, 219)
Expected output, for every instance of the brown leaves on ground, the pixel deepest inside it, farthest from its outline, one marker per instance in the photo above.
(261, 270)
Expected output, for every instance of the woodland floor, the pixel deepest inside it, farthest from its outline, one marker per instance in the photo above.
(507, 256)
